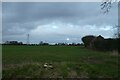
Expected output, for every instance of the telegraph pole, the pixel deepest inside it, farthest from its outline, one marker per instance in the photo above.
(28, 39)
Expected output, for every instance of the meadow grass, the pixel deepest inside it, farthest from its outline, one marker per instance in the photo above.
(67, 61)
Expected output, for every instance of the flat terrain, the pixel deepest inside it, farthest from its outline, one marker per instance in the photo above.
(67, 61)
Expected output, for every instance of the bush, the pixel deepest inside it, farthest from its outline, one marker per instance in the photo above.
(99, 43)
(87, 40)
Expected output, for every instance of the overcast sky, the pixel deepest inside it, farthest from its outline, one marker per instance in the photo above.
(56, 22)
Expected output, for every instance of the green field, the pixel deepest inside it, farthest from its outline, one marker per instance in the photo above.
(67, 61)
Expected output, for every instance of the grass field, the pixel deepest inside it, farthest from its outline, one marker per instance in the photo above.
(67, 61)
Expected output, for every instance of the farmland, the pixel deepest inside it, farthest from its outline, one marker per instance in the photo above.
(68, 62)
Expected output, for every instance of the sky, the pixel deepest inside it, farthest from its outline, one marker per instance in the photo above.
(56, 22)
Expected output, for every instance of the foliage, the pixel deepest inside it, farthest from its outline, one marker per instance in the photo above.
(99, 43)
(87, 40)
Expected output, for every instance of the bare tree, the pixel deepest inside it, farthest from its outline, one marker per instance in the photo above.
(117, 33)
(106, 6)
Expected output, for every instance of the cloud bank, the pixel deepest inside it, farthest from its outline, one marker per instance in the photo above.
(56, 21)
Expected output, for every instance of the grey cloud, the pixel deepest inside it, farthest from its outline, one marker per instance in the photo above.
(21, 18)
(69, 12)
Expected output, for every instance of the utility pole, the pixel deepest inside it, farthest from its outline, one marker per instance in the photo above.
(28, 39)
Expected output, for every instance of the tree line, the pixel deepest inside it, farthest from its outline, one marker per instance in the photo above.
(42, 43)
(101, 43)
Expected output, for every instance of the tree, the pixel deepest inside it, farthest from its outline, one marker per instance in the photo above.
(87, 40)
(98, 43)
(105, 6)
(117, 32)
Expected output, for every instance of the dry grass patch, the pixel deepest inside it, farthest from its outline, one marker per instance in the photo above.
(115, 53)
